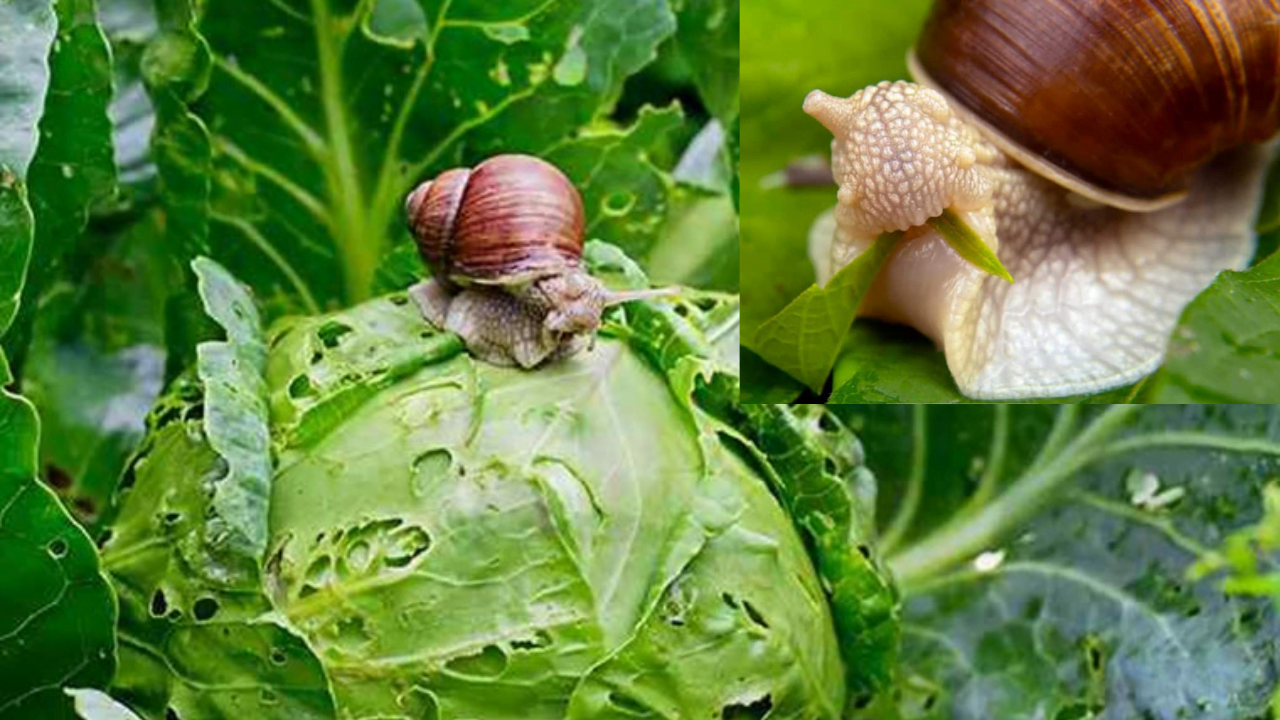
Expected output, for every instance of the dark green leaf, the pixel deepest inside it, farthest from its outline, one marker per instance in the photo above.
(708, 40)
(57, 616)
(95, 367)
(1062, 590)
(1226, 347)
(805, 338)
(28, 27)
(73, 167)
(319, 128)
(764, 383)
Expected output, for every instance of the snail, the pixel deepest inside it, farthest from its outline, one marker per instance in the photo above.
(1112, 154)
(504, 242)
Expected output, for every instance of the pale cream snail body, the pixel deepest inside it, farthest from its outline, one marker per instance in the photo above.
(1115, 169)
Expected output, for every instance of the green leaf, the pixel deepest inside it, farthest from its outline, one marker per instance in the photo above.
(707, 36)
(1046, 570)
(882, 363)
(626, 194)
(73, 167)
(1226, 346)
(968, 244)
(763, 383)
(236, 426)
(57, 615)
(790, 47)
(29, 28)
(189, 644)
(319, 125)
(805, 338)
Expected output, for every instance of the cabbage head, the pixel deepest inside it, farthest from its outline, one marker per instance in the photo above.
(349, 517)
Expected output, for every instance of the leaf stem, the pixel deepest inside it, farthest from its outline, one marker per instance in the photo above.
(1063, 425)
(915, 484)
(359, 246)
(964, 537)
(1188, 439)
(990, 481)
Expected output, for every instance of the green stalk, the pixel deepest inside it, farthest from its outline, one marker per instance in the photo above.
(964, 537)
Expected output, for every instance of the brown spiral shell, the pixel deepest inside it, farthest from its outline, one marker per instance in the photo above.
(512, 218)
(1129, 97)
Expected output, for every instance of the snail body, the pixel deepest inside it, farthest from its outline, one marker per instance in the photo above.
(1112, 205)
(504, 242)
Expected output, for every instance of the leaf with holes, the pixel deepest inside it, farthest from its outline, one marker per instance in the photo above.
(319, 116)
(489, 542)
(57, 615)
(1045, 558)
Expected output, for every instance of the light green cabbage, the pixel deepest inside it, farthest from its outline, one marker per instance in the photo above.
(448, 539)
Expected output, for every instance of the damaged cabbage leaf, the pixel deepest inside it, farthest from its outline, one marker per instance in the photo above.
(587, 541)
(1045, 559)
(56, 610)
(309, 122)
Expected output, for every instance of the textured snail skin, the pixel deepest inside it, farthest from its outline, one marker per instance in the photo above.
(1098, 290)
(505, 328)
(504, 241)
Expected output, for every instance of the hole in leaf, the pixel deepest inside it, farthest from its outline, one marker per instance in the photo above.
(399, 300)
(278, 656)
(332, 332)
(58, 548)
(171, 714)
(406, 545)
(159, 605)
(754, 614)
(488, 663)
(864, 551)
(57, 478)
(174, 615)
(85, 507)
(750, 711)
(629, 705)
(268, 696)
(618, 203)
(301, 387)
(540, 639)
(204, 609)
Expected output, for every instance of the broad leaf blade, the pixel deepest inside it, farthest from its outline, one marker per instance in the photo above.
(189, 645)
(1226, 346)
(236, 425)
(1086, 610)
(29, 28)
(319, 126)
(708, 39)
(57, 615)
(805, 338)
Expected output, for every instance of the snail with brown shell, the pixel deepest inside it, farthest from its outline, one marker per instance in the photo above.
(504, 241)
(1109, 152)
